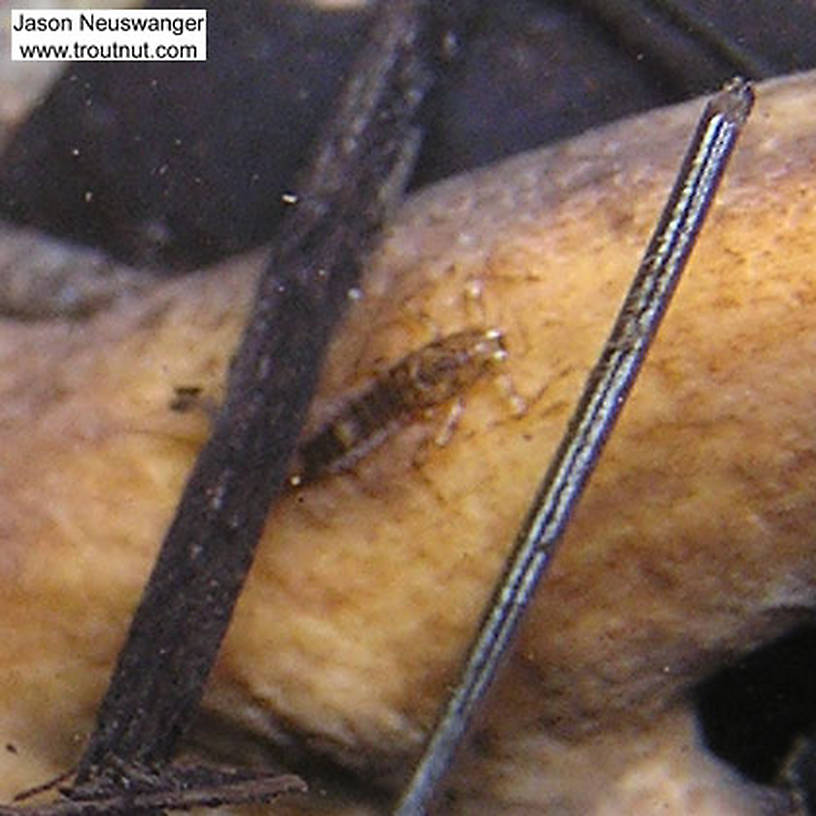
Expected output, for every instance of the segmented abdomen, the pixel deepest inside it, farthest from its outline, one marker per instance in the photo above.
(419, 382)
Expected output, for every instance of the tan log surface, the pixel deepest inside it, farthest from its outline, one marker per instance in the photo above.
(692, 545)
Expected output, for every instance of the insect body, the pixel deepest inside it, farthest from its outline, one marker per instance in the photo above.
(420, 381)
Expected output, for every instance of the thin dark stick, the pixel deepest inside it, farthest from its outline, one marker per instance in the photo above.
(685, 46)
(175, 793)
(355, 177)
(721, 42)
(604, 394)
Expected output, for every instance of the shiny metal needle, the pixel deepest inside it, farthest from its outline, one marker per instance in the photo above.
(604, 394)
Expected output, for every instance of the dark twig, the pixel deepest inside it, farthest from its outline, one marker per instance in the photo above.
(356, 175)
(605, 392)
(679, 38)
(180, 788)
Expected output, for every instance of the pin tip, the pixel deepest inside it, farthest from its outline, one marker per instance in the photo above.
(735, 100)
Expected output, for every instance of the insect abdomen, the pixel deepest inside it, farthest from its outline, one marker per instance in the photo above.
(420, 381)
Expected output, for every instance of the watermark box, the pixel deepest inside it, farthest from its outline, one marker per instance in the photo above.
(94, 35)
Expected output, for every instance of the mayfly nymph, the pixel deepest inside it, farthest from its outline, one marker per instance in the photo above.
(420, 381)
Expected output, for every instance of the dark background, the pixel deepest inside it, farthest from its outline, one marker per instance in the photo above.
(187, 162)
